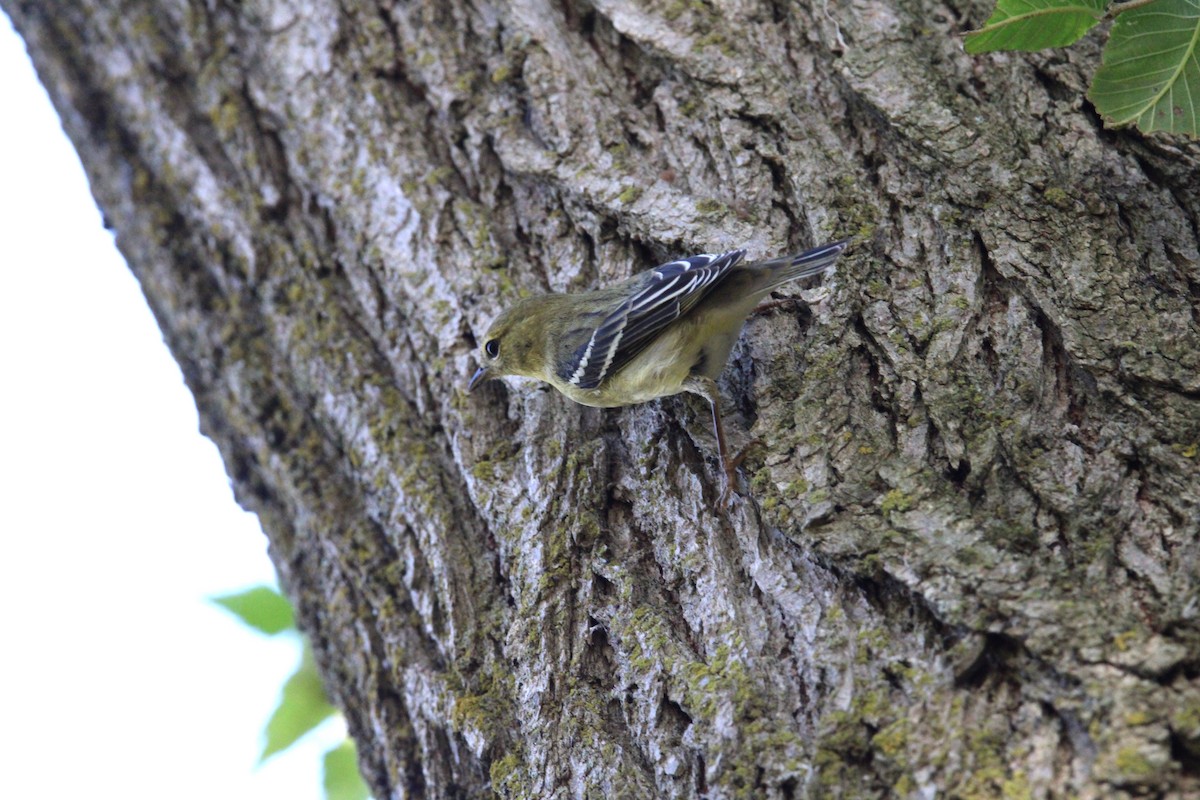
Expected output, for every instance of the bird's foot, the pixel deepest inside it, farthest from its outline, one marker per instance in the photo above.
(771, 305)
(729, 487)
(810, 297)
(725, 500)
(737, 460)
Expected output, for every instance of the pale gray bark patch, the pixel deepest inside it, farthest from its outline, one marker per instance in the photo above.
(970, 564)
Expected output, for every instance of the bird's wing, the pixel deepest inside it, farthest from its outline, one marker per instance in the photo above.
(667, 293)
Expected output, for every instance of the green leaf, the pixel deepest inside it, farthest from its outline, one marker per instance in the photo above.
(1035, 25)
(342, 781)
(1150, 72)
(302, 707)
(262, 608)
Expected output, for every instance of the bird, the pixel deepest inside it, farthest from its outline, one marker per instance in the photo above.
(664, 331)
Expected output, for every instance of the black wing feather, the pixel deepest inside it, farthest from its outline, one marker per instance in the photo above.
(669, 292)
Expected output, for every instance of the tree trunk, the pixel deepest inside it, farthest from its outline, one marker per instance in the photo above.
(967, 564)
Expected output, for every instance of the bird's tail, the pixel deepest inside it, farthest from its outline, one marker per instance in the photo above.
(808, 263)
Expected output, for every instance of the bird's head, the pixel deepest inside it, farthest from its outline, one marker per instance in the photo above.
(515, 342)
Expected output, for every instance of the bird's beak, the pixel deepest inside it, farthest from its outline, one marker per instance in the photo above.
(479, 377)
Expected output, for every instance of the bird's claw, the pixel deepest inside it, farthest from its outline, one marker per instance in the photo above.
(737, 460)
(729, 487)
(728, 491)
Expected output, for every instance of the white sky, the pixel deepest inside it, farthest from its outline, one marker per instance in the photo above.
(116, 519)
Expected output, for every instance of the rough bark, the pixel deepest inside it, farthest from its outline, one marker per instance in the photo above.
(970, 560)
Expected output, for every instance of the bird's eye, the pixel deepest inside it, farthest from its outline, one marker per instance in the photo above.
(492, 348)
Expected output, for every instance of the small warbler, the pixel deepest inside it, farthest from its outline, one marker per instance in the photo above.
(664, 331)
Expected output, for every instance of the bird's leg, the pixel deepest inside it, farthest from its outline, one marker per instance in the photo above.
(726, 464)
(707, 388)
